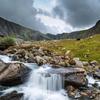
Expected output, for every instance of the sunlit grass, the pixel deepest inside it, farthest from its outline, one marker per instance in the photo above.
(86, 49)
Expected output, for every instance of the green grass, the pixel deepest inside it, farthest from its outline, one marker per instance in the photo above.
(86, 49)
(6, 42)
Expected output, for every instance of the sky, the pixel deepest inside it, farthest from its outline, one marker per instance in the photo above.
(52, 16)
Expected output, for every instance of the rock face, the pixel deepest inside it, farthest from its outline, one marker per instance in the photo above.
(10, 28)
(76, 80)
(13, 74)
(12, 96)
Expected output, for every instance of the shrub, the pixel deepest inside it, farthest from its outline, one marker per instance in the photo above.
(6, 42)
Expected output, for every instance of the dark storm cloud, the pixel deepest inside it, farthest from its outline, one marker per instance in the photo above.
(79, 13)
(22, 12)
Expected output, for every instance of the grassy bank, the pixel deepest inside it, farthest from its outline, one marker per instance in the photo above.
(86, 49)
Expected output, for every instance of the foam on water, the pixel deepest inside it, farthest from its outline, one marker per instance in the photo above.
(5, 58)
(44, 86)
(91, 81)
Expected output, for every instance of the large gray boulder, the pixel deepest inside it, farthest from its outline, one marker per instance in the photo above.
(13, 74)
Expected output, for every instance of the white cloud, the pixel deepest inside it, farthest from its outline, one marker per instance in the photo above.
(59, 25)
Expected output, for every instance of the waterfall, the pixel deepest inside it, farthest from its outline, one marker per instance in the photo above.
(45, 81)
(41, 84)
(44, 86)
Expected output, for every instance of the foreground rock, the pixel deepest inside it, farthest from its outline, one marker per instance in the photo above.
(96, 74)
(12, 96)
(76, 80)
(13, 74)
(83, 94)
(72, 76)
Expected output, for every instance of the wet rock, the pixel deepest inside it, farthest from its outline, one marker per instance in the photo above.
(73, 92)
(2, 66)
(12, 96)
(14, 74)
(76, 80)
(2, 53)
(90, 94)
(96, 74)
(3, 88)
(94, 63)
(66, 71)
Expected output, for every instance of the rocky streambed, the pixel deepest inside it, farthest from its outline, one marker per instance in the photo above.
(35, 73)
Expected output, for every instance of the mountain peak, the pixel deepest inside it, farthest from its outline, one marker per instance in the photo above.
(11, 28)
(98, 23)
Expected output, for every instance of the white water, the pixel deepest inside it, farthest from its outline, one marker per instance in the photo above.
(5, 58)
(41, 85)
(92, 81)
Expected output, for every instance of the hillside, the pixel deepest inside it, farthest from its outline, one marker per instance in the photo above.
(8, 28)
(86, 49)
(78, 34)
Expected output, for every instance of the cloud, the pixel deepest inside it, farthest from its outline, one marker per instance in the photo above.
(55, 24)
(54, 16)
(22, 12)
(79, 13)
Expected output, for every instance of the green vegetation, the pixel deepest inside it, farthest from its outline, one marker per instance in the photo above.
(86, 49)
(6, 42)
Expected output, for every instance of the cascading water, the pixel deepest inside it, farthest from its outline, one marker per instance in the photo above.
(5, 58)
(44, 86)
(41, 84)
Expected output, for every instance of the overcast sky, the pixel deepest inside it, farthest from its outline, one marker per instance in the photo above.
(52, 16)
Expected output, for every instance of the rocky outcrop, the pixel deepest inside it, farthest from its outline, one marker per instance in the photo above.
(72, 76)
(40, 55)
(12, 96)
(83, 94)
(76, 80)
(13, 74)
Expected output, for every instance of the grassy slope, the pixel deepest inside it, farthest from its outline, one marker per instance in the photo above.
(86, 49)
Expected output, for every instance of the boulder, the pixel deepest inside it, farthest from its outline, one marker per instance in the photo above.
(76, 80)
(2, 52)
(94, 63)
(12, 96)
(40, 60)
(66, 71)
(72, 75)
(96, 74)
(2, 66)
(14, 74)
(78, 63)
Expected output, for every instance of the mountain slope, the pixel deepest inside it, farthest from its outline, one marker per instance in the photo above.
(10, 28)
(78, 34)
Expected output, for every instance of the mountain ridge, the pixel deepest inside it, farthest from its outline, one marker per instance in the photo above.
(10, 28)
(78, 34)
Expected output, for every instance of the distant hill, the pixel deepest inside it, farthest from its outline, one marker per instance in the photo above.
(78, 34)
(8, 28)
